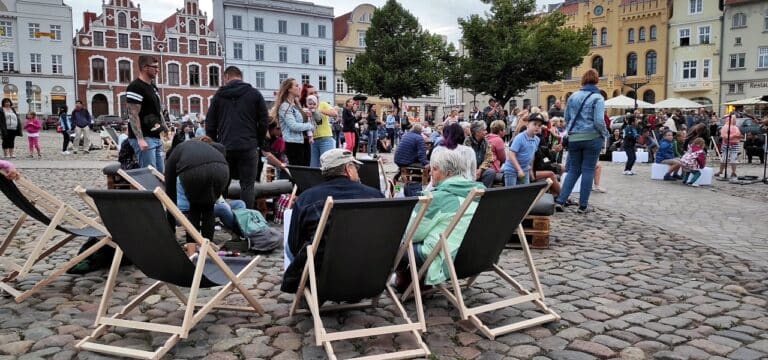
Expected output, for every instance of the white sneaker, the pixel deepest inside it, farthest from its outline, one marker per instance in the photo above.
(695, 185)
(627, 172)
(65, 152)
(598, 189)
(632, 172)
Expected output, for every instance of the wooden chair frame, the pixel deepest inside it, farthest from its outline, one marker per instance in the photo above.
(453, 293)
(136, 185)
(308, 290)
(44, 246)
(207, 251)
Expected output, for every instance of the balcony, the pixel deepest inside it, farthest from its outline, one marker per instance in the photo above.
(692, 85)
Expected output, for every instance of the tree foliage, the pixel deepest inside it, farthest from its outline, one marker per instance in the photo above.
(512, 48)
(400, 59)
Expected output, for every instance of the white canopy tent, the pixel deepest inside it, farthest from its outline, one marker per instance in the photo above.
(623, 102)
(677, 103)
(750, 101)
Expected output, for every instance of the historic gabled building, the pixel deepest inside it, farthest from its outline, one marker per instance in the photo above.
(108, 46)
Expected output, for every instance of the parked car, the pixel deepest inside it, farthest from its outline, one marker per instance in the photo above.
(617, 121)
(108, 120)
(50, 122)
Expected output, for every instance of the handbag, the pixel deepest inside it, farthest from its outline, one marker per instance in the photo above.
(570, 127)
(59, 129)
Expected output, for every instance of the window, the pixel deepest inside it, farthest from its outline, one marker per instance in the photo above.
(36, 63)
(213, 49)
(55, 32)
(122, 20)
(350, 60)
(6, 29)
(737, 61)
(98, 38)
(603, 37)
(706, 68)
(237, 50)
(650, 62)
(304, 79)
(762, 58)
(259, 80)
(305, 56)
(146, 42)
(765, 23)
(8, 63)
(597, 64)
(339, 86)
(259, 52)
(649, 96)
(57, 64)
(12, 92)
(174, 106)
(192, 27)
(321, 57)
(738, 41)
(124, 71)
(213, 76)
(694, 6)
(689, 70)
(36, 102)
(173, 74)
(193, 46)
(282, 26)
(304, 29)
(122, 40)
(704, 32)
(685, 37)
(194, 75)
(631, 64)
(594, 37)
(361, 38)
(33, 30)
(282, 54)
(631, 35)
(258, 24)
(322, 83)
(282, 77)
(653, 32)
(736, 88)
(173, 45)
(97, 70)
(641, 34)
(195, 105)
(739, 21)
(237, 22)
(321, 31)
(350, 89)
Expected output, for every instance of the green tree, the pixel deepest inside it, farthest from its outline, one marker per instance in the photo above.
(400, 59)
(512, 48)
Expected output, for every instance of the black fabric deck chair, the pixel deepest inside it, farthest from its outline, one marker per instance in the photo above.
(483, 243)
(358, 259)
(147, 178)
(37, 204)
(304, 177)
(372, 174)
(147, 228)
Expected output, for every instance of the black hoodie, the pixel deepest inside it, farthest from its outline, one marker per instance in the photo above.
(237, 117)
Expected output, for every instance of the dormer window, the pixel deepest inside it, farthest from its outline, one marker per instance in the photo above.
(192, 27)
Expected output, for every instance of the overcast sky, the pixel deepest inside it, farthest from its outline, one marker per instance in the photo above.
(438, 16)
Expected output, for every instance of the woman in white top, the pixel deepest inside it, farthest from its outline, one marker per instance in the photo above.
(453, 139)
(10, 127)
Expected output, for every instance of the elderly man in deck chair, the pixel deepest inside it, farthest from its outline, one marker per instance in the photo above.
(451, 188)
(339, 168)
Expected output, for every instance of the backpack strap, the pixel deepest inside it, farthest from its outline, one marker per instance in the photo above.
(581, 107)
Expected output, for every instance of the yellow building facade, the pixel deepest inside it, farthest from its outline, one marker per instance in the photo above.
(629, 49)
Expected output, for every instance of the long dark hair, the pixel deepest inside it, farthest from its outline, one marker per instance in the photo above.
(453, 135)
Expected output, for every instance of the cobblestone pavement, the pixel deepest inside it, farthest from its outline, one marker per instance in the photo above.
(626, 286)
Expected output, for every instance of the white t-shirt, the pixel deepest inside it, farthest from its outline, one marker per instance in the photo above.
(11, 121)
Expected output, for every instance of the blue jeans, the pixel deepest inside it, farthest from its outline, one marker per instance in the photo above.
(510, 178)
(154, 155)
(223, 211)
(582, 160)
(319, 147)
(372, 136)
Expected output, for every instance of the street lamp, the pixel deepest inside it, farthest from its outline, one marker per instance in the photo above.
(637, 84)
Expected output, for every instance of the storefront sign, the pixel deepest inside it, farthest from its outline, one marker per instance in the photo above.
(758, 84)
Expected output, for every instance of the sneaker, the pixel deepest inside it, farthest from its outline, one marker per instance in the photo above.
(627, 172)
(668, 177)
(630, 172)
(599, 189)
(695, 185)
(559, 208)
(65, 153)
(585, 210)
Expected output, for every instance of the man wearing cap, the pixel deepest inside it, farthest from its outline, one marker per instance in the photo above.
(342, 182)
(483, 153)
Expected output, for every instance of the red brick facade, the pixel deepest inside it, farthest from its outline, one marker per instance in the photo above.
(109, 45)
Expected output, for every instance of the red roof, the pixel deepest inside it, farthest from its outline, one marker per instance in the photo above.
(341, 26)
(570, 9)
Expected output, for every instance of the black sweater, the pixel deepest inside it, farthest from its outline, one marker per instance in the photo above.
(189, 155)
(237, 117)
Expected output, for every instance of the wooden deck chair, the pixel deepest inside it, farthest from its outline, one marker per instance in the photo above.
(37, 204)
(146, 227)
(372, 174)
(147, 178)
(111, 143)
(304, 177)
(486, 236)
(358, 259)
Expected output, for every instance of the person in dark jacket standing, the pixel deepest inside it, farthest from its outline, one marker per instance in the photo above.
(10, 127)
(238, 119)
(348, 125)
(82, 120)
(66, 126)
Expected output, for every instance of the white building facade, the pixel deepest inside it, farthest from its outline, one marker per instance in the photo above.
(36, 56)
(272, 40)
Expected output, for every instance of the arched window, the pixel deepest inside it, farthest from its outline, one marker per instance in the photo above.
(173, 74)
(597, 64)
(97, 70)
(124, 71)
(10, 91)
(603, 37)
(631, 94)
(631, 35)
(551, 99)
(649, 96)
(194, 75)
(739, 20)
(122, 20)
(631, 64)
(594, 37)
(192, 27)
(653, 32)
(174, 106)
(650, 62)
(195, 105)
(641, 34)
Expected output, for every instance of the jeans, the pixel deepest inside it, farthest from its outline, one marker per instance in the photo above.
(487, 177)
(691, 176)
(244, 165)
(582, 160)
(372, 142)
(224, 211)
(320, 147)
(85, 133)
(154, 155)
(511, 179)
(631, 157)
(391, 134)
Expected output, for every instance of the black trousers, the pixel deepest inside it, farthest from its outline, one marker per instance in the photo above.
(631, 157)
(244, 166)
(203, 185)
(298, 154)
(9, 140)
(755, 152)
(65, 144)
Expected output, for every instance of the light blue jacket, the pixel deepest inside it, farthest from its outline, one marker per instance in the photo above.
(292, 123)
(591, 119)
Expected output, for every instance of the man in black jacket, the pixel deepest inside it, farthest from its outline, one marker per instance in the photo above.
(238, 119)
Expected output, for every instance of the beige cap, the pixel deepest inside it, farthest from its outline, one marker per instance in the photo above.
(336, 157)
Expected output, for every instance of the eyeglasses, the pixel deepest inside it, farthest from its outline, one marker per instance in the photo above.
(153, 66)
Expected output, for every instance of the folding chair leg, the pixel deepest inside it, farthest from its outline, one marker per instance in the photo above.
(47, 234)
(12, 233)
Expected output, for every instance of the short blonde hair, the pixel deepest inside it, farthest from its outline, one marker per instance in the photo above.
(497, 126)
